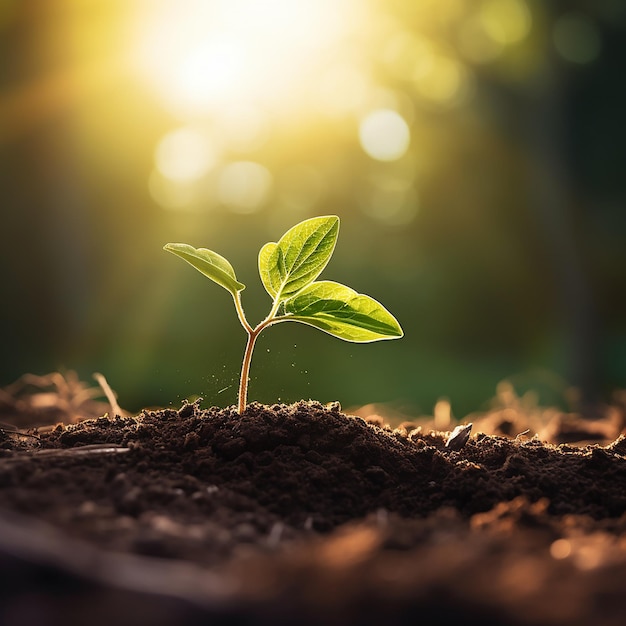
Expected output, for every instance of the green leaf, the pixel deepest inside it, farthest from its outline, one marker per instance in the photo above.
(209, 263)
(268, 268)
(342, 312)
(299, 256)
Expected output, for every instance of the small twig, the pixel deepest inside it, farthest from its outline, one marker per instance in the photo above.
(108, 392)
(85, 450)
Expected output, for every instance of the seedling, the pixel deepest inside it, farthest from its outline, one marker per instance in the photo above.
(288, 271)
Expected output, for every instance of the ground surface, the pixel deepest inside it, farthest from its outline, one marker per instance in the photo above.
(301, 513)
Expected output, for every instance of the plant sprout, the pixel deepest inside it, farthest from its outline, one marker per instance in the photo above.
(288, 271)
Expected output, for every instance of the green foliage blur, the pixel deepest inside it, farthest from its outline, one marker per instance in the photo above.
(474, 151)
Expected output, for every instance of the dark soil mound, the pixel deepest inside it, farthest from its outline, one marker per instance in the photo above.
(301, 513)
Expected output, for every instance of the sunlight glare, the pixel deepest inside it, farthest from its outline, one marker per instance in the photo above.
(210, 70)
(203, 56)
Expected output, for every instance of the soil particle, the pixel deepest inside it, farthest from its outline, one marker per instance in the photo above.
(329, 518)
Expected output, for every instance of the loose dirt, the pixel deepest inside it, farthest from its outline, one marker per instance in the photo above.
(302, 514)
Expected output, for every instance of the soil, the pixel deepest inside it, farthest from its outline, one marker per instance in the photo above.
(302, 514)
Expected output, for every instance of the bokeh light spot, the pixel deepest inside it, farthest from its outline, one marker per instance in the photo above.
(184, 155)
(576, 39)
(384, 135)
(560, 549)
(244, 186)
(506, 21)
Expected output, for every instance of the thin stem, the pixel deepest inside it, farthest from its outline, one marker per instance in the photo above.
(240, 314)
(253, 333)
(245, 371)
(272, 313)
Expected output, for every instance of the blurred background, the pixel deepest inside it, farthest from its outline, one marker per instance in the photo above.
(474, 150)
